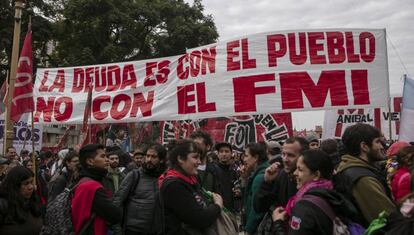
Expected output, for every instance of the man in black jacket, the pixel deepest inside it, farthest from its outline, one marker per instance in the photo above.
(226, 174)
(279, 184)
(137, 192)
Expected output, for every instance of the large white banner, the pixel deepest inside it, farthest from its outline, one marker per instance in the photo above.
(336, 121)
(262, 73)
(23, 134)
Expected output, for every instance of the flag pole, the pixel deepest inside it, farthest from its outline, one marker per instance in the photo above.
(90, 116)
(33, 148)
(388, 88)
(4, 126)
(9, 134)
(389, 118)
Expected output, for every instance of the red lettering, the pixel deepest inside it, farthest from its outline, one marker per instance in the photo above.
(231, 54)
(128, 77)
(246, 61)
(184, 98)
(181, 72)
(43, 87)
(352, 57)
(293, 84)
(163, 71)
(78, 80)
(118, 99)
(59, 82)
(370, 55)
(149, 78)
(397, 108)
(245, 91)
(208, 59)
(67, 111)
(315, 47)
(44, 108)
(96, 107)
(336, 50)
(202, 104)
(360, 86)
(100, 81)
(294, 57)
(195, 62)
(114, 78)
(145, 105)
(272, 52)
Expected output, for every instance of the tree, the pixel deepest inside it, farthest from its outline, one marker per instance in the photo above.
(39, 11)
(104, 31)
(81, 32)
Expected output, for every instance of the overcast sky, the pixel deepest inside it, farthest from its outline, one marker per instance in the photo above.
(236, 18)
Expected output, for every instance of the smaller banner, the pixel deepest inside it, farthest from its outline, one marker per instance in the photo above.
(23, 131)
(407, 124)
(237, 131)
(336, 121)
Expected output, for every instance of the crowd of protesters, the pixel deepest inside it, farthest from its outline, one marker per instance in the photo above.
(190, 186)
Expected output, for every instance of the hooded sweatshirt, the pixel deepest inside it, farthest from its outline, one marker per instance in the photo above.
(369, 193)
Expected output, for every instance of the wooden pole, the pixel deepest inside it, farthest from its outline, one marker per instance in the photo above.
(33, 149)
(4, 126)
(9, 134)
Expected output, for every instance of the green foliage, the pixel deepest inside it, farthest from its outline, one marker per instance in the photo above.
(103, 31)
(81, 32)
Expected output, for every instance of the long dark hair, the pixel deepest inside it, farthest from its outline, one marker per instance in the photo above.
(18, 207)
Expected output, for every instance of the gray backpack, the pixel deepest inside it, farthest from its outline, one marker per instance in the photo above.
(58, 218)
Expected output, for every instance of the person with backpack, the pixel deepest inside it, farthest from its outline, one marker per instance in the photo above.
(401, 182)
(358, 177)
(279, 183)
(20, 208)
(310, 210)
(256, 160)
(185, 208)
(136, 195)
(69, 175)
(91, 202)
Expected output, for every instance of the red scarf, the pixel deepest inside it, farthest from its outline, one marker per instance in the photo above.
(192, 180)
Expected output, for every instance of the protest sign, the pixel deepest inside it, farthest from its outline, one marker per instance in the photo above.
(336, 121)
(21, 129)
(237, 131)
(262, 73)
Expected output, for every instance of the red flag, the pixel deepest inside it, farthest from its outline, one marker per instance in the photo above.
(23, 88)
(87, 111)
(3, 97)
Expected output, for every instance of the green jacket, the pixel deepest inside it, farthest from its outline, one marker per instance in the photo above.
(368, 192)
(113, 180)
(255, 180)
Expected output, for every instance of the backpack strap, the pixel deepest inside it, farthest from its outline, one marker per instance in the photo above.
(356, 173)
(322, 204)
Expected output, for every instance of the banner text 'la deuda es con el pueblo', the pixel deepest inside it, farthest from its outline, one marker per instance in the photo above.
(261, 73)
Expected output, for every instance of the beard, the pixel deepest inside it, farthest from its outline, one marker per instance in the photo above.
(153, 170)
(375, 156)
(114, 165)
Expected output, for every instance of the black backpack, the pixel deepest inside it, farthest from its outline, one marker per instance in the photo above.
(345, 180)
(58, 218)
